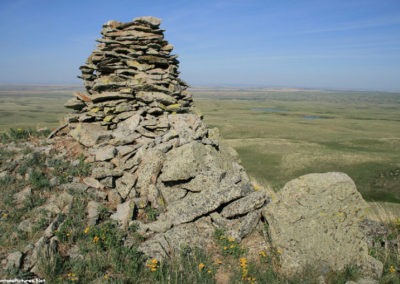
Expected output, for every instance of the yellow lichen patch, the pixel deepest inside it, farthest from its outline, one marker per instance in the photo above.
(108, 118)
(95, 110)
(173, 107)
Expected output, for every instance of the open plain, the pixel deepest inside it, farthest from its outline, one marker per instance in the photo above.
(279, 134)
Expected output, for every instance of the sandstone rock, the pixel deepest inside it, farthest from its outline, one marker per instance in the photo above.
(315, 222)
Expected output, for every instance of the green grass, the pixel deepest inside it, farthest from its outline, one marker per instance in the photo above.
(277, 141)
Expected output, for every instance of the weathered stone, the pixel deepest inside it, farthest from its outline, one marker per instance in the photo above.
(106, 153)
(13, 261)
(314, 222)
(124, 213)
(92, 212)
(75, 104)
(90, 134)
(149, 97)
(23, 195)
(125, 184)
(127, 127)
(183, 163)
(198, 234)
(203, 181)
(26, 226)
(106, 171)
(92, 182)
(149, 170)
(244, 205)
(153, 21)
(108, 181)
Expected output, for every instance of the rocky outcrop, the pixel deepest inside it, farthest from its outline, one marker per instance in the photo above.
(314, 222)
(150, 149)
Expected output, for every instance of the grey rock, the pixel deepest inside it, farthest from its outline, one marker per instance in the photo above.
(149, 170)
(113, 198)
(203, 181)
(237, 228)
(26, 226)
(199, 204)
(92, 210)
(125, 184)
(92, 182)
(106, 170)
(149, 97)
(127, 127)
(74, 186)
(198, 234)
(183, 163)
(23, 195)
(75, 104)
(153, 21)
(13, 260)
(314, 221)
(244, 205)
(108, 182)
(124, 213)
(171, 194)
(106, 153)
(90, 134)
(58, 203)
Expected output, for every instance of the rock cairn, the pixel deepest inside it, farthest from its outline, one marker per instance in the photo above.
(151, 150)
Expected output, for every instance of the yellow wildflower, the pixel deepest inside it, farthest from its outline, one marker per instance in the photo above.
(392, 269)
(72, 277)
(201, 266)
(231, 239)
(232, 246)
(209, 271)
(243, 265)
(87, 230)
(218, 261)
(225, 247)
(262, 253)
(96, 239)
(152, 265)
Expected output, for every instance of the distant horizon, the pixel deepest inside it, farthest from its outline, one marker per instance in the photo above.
(212, 86)
(341, 45)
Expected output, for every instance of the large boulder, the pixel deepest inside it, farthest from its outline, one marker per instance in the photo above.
(314, 222)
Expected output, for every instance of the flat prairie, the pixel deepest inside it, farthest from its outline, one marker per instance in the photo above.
(279, 134)
(282, 134)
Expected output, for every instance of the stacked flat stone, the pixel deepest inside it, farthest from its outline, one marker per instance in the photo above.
(132, 69)
(150, 149)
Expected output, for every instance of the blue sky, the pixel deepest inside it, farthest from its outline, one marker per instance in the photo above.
(342, 44)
